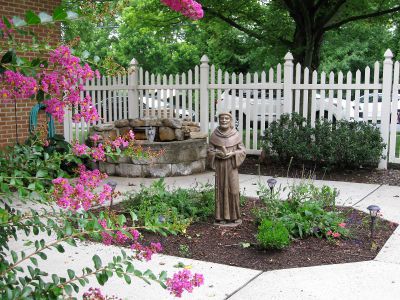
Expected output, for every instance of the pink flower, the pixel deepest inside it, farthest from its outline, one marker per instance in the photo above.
(188, 8)
(329, 232)
(336, 234)
(184, 280)
(342, 225)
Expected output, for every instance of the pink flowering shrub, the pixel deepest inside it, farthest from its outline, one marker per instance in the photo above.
(184, 281)
(189, 8)
(80, 194)
(59, 87)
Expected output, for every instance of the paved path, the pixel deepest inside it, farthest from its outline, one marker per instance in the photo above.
(377, 279)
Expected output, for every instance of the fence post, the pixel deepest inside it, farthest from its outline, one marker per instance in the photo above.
(204, 105)
(386, 105)
(67, 126)
(287, 84)
(133, 99)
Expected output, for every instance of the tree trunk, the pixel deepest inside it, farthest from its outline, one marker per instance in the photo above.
(306, 48)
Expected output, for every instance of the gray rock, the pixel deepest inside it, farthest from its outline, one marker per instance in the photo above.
(166, 134)
(187, 168)
(128, 170)
(107, 168)
(104, 127)
(190, 123)
(179, 135)
(198, 135)
(157, 170)
(173, 123)
(137, 122)
(121, 123)
(153, 122)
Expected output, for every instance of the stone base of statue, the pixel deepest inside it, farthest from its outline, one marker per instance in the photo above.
(228, 224)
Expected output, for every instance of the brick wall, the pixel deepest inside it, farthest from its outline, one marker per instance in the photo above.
(47, 33)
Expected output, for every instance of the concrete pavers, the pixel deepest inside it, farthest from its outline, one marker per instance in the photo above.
(363, 280)
(220, 280)
(388, 199)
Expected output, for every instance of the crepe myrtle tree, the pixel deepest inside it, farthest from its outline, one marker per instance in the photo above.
(55, 77)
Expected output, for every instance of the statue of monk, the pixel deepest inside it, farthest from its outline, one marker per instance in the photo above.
(226, 153)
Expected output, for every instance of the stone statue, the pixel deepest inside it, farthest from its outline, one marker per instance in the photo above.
(226, 153)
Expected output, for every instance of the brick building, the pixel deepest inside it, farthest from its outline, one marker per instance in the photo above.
(50, 33)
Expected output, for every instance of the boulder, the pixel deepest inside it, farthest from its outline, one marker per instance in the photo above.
(190, 123)
(137, 122)
(124, 130)
(198, 135)
(173, 123)
(179, 135)
(166, 134)
(104, 127)
(121, 123)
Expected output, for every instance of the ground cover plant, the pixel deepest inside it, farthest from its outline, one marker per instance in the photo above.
(56, 78)
(308, 210)
(175, 208)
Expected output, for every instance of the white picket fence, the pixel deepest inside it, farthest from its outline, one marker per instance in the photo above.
(255, 100)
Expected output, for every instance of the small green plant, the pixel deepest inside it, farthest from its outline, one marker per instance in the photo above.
(176, 209)
(273, 235)
(307, 211)
(184, 250)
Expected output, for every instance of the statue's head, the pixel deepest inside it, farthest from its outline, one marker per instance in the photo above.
(225, 121)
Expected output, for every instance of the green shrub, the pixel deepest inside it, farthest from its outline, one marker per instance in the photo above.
(178, 208)
(273, 235)
(341, 144)
(308, 211)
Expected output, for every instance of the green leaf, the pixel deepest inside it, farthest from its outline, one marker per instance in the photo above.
(34, 261)
(68, 289)
(40, 96)
(18, 22)
(7, 57)
(14, 256)
(127, 279)
(97, 261)
(71, 273)
(163, 276)
(5, 21)
(85, 54)
(71, 242)
(121, 219)
(59, 248)
(68, 229)
(42, 255)
(59, 14)
(44, 17)
(55, 278)
(41, 173)
(31, 18)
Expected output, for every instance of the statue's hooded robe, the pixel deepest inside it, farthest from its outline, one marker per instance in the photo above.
(227, 197)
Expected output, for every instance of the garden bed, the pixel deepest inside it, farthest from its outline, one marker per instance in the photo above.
(236, 246)
(251, 164)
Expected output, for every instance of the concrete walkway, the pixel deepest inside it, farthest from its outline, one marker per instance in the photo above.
(375, 279)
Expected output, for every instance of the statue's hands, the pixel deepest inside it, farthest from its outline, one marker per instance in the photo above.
(223, 155)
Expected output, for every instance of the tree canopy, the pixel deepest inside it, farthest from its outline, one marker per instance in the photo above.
(248, 35)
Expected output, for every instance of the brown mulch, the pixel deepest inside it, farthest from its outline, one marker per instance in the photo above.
(208, 242)
(252, 165)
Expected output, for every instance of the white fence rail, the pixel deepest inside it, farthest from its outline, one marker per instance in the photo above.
(255, 100)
